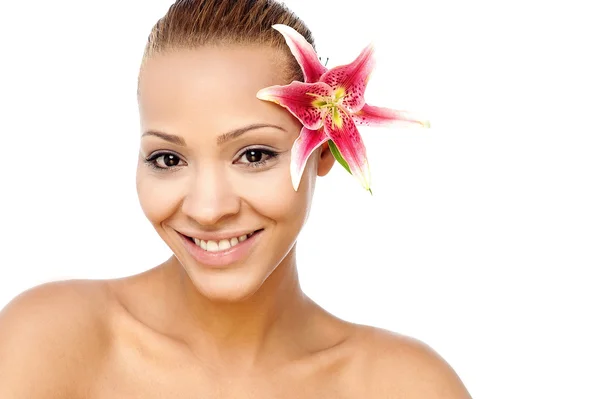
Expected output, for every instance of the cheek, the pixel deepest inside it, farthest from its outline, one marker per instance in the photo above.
(272, 195)
(158, 197)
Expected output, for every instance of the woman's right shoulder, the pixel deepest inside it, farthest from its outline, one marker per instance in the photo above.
(51, 335)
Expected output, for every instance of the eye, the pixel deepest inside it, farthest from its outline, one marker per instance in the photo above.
(164, 160)
(256, 156)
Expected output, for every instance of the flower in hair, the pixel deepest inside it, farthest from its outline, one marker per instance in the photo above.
(329, 104)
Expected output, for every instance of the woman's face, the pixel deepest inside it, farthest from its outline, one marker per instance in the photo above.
(214, 169)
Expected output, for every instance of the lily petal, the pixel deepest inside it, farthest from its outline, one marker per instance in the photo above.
(342, 131)
(370, 115)
(303, 147)
(352, 79)
(303, 52)
(299, 98)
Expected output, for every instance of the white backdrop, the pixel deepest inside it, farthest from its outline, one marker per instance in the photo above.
(482, 238)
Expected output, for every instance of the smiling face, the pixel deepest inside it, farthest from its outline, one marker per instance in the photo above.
(214, 166)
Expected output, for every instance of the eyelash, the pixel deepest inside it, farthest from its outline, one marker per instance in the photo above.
(270, 154)
(151, 160)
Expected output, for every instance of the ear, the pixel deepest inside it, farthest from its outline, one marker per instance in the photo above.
(326, 160)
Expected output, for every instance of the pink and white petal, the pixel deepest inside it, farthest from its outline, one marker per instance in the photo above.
(352, 79)
(346, 137)
(303, 147)
(303, 52)
(370, 115)
(299, 98)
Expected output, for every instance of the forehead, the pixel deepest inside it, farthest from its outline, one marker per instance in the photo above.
(210, 87)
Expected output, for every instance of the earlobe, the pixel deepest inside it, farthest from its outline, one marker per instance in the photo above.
(326, 160)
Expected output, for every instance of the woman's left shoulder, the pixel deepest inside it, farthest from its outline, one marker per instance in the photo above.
(397, 366)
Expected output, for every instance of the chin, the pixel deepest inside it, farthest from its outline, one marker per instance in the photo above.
(238, 273)
(231, 285)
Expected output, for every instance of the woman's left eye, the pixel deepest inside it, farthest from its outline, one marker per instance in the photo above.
(256, 156)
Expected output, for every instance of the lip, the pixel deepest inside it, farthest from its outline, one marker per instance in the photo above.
(224, 258)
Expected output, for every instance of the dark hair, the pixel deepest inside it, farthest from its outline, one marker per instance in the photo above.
(189, 24)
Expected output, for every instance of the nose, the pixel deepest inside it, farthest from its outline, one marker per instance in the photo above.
(210, 197)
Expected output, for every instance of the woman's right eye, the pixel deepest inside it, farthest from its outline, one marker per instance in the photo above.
(164, 161)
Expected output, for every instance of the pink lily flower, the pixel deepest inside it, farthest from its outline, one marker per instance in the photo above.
(329, 104)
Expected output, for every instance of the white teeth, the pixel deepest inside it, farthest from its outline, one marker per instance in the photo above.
(200, 243)
(214, 246)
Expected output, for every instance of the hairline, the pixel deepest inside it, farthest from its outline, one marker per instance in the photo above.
(285, 55)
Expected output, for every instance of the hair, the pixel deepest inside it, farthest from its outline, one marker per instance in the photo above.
(189, 24)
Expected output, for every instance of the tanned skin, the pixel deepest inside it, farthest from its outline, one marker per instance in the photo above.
(186, 330)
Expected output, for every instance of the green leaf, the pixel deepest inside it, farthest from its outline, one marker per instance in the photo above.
(338, 156)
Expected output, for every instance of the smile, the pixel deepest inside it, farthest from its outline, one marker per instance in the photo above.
(221, 251)
(221, 245)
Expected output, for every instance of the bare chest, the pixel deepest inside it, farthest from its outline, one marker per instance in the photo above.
(197, 384)
(138, 377)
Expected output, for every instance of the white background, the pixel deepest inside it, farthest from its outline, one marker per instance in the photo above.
(482, 238)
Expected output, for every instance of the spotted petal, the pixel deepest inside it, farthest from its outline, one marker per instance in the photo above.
(342, 131)
(301, 99)
(370, 115)
(303, 147)
(304, 53)
(352, 79)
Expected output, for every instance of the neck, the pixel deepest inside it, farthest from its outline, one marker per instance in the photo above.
(242, 331)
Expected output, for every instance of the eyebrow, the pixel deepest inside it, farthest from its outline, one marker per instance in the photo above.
(222, 139)
(225, 137)
(171, 138)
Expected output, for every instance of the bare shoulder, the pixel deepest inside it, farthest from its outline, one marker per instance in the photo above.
(51, 336)
(397, 366)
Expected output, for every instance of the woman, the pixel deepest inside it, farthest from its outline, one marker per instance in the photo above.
(225, 316)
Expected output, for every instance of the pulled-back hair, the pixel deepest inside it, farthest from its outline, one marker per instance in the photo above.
(189, 24)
